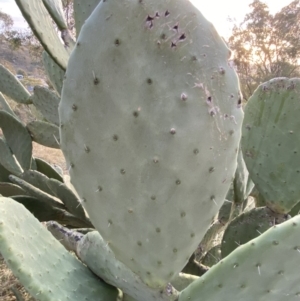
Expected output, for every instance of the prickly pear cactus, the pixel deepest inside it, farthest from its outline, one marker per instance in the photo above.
(270, 142)
(265, 268)
(150, 126)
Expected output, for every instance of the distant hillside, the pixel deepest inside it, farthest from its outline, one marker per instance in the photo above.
(20, 60)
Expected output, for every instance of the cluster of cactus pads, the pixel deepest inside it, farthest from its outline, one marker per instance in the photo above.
(148, 113)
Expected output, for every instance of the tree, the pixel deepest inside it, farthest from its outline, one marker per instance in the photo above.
(25, 37)
(266, 46)
(6, 23)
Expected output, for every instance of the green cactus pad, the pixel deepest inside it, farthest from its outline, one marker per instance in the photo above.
(82, 10)
(46, 103)
(37, 179)
(213, 256)
(54, 72)
(67, 237)
(17, 138)
(236, 210)
(36, 192)
(182, 280)
(209, 239)
(95, 252)
(44, 212)
(56, 11)
(248, 204)
(41, 24)
(270, 142)
(48, 170)
(67, 196)
(4, 106)
(295, 210)
(249, 187)
(224, 212)
(67, 181)
(265, 268)
(11, 86)
(259, 199)
(7, 159)
(150, 128)
(44, 133)
(59, 170)
(4, 173)
(41, 263)
(33, 164)
(242, 184)
(9, 189)
(247, 226)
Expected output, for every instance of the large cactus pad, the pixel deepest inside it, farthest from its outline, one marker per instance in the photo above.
(150, 125)
(271, 141)
(41, 263)
(265, 268)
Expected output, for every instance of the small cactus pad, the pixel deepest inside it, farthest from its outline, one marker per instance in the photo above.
(17, 138)
(209, 240)
(82, 10)
(11, 87)
(36, 179)
(36, 192)
(9, 189)
(40, 209)
(68, 197)
(182, 280)
(4, 173)
(44, 212)
(41, 263)
(48, 170)
(44, 133)
(41, 24)
(150, 127)
(295, 210)
(266, 268)
(7, 159)
(247, 226)
(54, 72)
(213, 256)
(46, 102)
(242, 184)
(95, 252)
(271, 142)
(56, 11)
(4, 105)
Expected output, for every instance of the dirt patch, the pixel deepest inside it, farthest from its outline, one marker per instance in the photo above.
(51, 155)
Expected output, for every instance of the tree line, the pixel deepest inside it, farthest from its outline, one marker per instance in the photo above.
(264, 45)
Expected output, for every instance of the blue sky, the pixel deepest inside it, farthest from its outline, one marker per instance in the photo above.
(216, 11)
